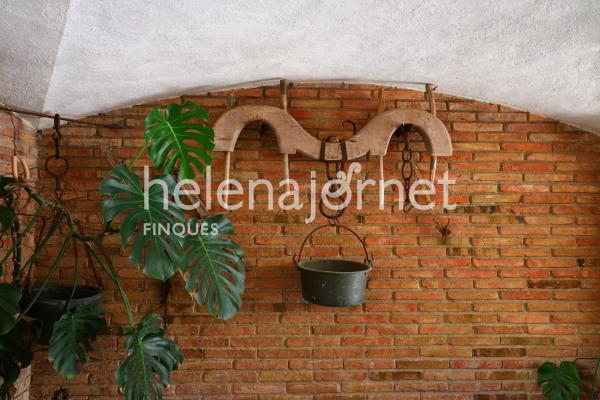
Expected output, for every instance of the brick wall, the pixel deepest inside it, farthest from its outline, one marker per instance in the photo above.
(26, 148)
(471, 318)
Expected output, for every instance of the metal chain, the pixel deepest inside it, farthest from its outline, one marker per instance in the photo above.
(338, 166)
(443, 229)
(407, 169)
(62, 170)
(333, 218)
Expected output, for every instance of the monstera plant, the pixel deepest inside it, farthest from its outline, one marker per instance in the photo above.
(559, 382)
(563, 381)
(179, 145)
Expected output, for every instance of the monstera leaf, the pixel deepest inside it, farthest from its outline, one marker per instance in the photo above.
(174, 139)
(559, 383)
(10, 295)
(214, 269)
(151, 357)
(15, 354)
(72, 337)
(152, 246)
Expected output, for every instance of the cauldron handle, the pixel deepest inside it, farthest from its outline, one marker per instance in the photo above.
(368, 257)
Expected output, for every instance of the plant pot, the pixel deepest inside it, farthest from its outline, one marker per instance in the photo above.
(52, 304)
(333, 282)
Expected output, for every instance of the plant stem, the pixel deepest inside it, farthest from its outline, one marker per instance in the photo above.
(109, 269)
(55, 224)
(16, 226)
(18, 241)
(55, 264)
(6, 255)
(18, 270)
(137, 156)
(76, 255)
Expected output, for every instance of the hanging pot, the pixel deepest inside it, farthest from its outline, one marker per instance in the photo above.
(334, 282)
(52, 304)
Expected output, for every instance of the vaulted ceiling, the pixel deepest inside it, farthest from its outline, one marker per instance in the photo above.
(82, 57)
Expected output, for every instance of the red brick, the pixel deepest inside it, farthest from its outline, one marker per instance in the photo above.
(258, 388)
(537, 147)
(472, 106)
(531, 127)
(344, 94)
(477, 126)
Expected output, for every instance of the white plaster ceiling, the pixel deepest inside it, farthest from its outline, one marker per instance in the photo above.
(82, 57)
(30, 33)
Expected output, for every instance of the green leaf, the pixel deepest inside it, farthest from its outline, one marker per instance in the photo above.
(6, 218)
(156, 249)
(174, 139)
(214, 268)
(559, 383)
(10, 295)
(15, 354)
(72, 338)
(151, 357)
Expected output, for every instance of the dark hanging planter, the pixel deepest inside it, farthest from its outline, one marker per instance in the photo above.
(52, 304)
(334, 282)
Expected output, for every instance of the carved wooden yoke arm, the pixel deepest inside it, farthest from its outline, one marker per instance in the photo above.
(372, 139)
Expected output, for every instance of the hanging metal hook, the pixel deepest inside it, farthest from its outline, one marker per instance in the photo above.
(444, 230)
(348, 121)
(56, 136)
(332, 175)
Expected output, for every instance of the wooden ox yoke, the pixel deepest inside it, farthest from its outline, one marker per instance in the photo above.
(372, 139)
